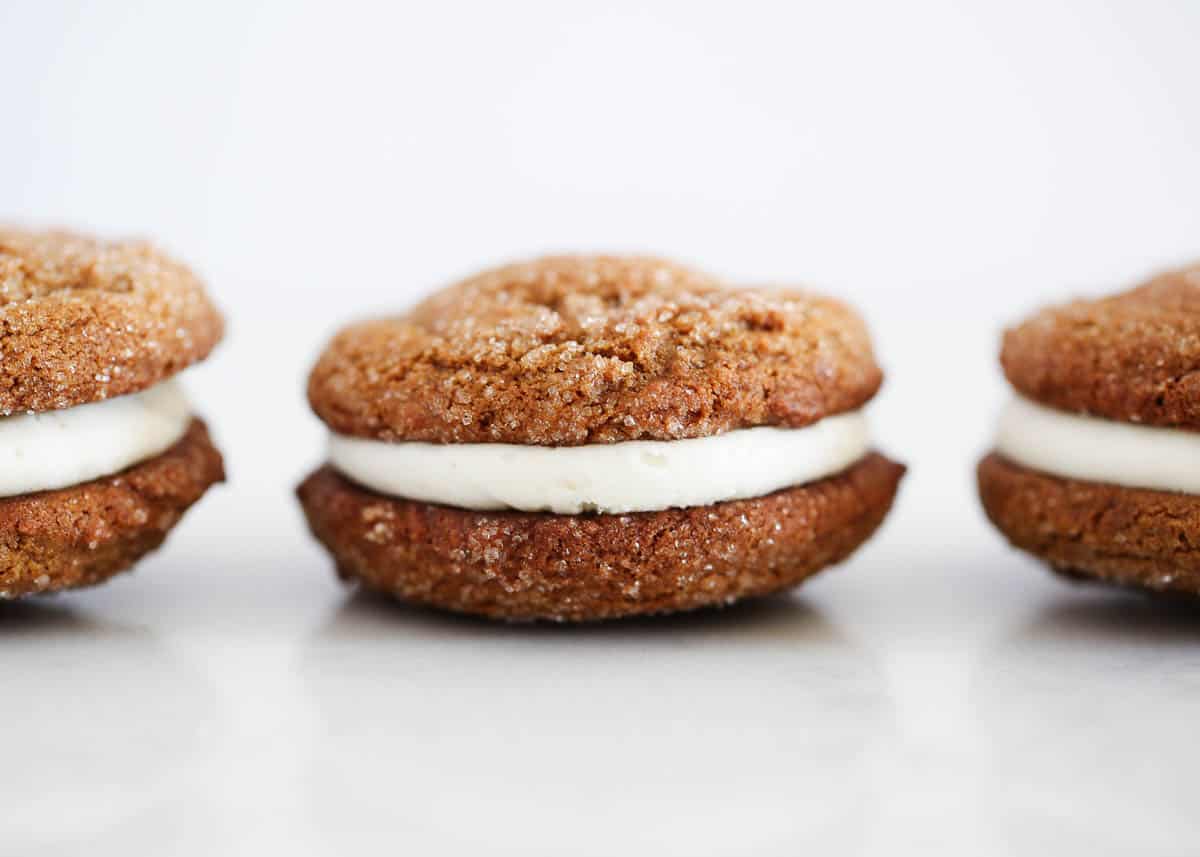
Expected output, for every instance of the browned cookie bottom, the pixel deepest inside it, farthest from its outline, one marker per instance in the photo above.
(527, 565)
(1129, 536)
(83, 535)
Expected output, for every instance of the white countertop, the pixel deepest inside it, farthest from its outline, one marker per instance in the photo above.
(964, 703)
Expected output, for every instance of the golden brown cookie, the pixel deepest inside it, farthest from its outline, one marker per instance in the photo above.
(83, 535)
(1129, 536)
(523, 565)
(574, 350)
(593, 351)
(1131, 357)
(82, 320)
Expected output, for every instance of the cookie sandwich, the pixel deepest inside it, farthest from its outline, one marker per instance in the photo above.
(100, 454)
(582, 438)
(1096, 468)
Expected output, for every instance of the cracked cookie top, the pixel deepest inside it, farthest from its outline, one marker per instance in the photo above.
(82, 320)
(1132, 357)
(569, 350)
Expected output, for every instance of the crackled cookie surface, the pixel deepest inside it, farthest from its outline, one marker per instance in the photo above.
(83, 319)
(1131, 357)
(575, 350)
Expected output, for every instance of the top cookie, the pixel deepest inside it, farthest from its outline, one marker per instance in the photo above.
(571, 350)
(83, 320)
(1133, 357)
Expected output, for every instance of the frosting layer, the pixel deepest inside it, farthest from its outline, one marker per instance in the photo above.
(56, 449)
(612, 478)
(1099, 450)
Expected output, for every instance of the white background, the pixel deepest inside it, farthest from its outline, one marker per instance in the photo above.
(945, 166)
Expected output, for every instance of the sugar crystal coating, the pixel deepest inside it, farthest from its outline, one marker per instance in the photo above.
(594, 349)
(82, 319)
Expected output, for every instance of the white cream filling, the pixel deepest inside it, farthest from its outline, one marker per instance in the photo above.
(56, 449)
(1098, 450)
(614, 478)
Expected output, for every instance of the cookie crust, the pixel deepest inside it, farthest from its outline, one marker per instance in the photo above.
(521, 565)
(1133, 357)
(82, 320)
(85, 534)
(1129, 536)
(570, 350)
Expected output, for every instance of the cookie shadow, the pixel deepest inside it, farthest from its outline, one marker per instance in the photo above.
(784, 617)
(1111, 615)
(45, 615)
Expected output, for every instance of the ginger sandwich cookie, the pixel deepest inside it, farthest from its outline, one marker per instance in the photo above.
(100, 454)
(1096, 468)
(583, 438)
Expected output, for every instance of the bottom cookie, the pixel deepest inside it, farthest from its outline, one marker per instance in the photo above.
(1128, 536)
(83, 535)
(523, 565)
